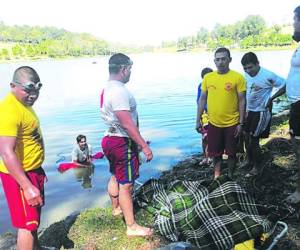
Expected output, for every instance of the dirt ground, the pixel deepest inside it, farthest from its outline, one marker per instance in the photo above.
(270, 188)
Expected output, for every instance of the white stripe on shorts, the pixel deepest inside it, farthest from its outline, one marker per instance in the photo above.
(264, 119)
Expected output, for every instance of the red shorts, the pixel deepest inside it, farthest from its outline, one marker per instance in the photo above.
(123, 156)
(221, 140)
(23, 215)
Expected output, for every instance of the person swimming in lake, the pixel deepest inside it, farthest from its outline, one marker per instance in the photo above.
(82, 152)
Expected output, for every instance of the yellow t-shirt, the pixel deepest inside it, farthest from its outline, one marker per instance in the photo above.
(204, 119)
(21, 122)
(222, 97)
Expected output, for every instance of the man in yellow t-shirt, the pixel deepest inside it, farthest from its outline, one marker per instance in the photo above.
(224, 93)
(22, 154)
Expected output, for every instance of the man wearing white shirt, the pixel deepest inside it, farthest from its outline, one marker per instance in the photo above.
(260, 85)
(122, 141)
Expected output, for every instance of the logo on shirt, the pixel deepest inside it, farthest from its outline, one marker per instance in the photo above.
(228, 86)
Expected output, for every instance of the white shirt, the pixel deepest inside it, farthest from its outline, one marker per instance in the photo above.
(293, 80)
(81, 155)
(116, 97)
(260, 87)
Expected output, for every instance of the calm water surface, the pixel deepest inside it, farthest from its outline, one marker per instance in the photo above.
(165, 87)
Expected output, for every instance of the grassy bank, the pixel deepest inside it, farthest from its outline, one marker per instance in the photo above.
(97, 229)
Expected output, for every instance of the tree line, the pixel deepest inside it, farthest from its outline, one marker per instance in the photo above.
(42, 42)
(249, 33)
(27, 41)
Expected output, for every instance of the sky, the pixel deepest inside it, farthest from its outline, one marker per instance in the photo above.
(141, 22)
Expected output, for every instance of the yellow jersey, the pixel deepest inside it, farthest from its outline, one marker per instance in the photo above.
(204, 119)
(222, 97)
(20, 121)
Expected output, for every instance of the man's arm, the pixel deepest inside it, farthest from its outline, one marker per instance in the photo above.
(15, 169)
(200, 109)
(280, 92)
(127, 123)
(242, 106)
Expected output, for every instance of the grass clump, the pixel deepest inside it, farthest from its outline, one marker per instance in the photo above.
(98, 229)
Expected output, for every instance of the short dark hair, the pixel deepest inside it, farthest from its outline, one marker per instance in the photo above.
(297, 12)
(117, 61)
(249, 57)
(221, 50)
(205, 71)
(79, 137)
(24, 73)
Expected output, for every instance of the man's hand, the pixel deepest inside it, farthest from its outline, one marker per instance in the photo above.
(238, 130)
(148, 153)
(33, 196)
(198, 126)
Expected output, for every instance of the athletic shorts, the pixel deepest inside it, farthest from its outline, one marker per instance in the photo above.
(123, 156)
(23, 215)
(221, 140)
(295, 120)
(258, 124)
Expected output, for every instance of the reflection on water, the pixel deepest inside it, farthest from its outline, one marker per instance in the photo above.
(165, 87)
(84, 175)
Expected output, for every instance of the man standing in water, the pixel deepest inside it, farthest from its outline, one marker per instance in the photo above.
(224, 93)
(293, 94)
(122, 140)
(22, 153)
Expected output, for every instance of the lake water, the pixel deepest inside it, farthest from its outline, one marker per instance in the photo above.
(165, 87)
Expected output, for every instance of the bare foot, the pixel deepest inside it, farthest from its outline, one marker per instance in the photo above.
(117, 211)
(204, 162)
(246, 164)
(137, 230)
(294, 198)
(252, 173)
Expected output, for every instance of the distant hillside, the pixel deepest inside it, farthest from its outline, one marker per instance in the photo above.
(252, 32)
(34, 42)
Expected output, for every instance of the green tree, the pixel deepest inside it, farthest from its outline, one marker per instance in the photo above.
(252, 25)
(17, 50)
(5, 54)
(202, 36)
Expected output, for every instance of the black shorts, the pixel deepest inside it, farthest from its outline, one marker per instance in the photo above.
(258, 123)
(295, 119)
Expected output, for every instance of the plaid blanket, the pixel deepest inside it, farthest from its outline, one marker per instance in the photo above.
(215, 215)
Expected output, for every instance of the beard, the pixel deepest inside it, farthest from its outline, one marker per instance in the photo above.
(296, 36)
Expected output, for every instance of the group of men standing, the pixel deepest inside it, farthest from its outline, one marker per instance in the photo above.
(237, 105)
(226, 93)
(224, 90)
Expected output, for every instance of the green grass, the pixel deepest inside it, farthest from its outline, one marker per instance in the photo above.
(99, 229)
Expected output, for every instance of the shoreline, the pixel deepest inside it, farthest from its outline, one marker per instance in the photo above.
(155, 50)
(78, 229)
